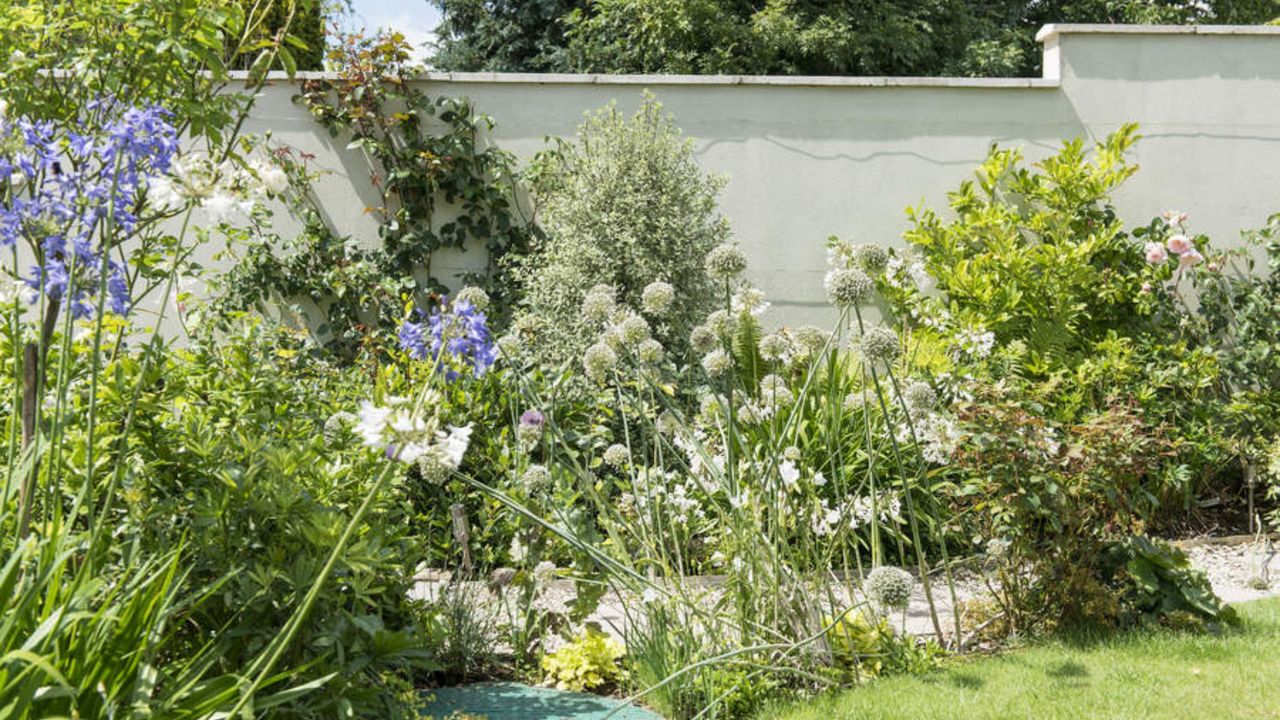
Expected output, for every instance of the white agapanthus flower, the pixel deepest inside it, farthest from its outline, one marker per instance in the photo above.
(410, 438)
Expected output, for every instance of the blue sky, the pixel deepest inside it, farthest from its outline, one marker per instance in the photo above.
(415, 18)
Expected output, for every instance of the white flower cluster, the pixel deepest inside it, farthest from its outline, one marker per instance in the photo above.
(411, 437)
(976, 342)
(678, 500)
(225, 191)
(907, 272)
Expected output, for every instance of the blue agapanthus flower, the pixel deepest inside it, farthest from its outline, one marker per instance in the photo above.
(74, 195)
(455, 336)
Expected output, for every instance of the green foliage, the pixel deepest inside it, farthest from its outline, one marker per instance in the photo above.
(592, 661)
(305, 21)
(1035, 256)
(424, 155)
(234, 452)
(1163, 585)
(789, 37)
(625, 206)
(1055, 506)
(176, 53)
(502, 35)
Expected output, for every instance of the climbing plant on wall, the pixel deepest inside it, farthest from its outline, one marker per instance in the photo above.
(438, 185)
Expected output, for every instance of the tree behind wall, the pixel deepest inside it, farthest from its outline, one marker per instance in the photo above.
(788, 37)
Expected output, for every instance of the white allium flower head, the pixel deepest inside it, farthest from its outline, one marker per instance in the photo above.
(848, 287)
(879, 345)
(811, 339)
(920, 397)
(473, 296)
(536, 480)
(598, 304)
(775, 347)
(657, 297)
(702, 339)
(726, 262)
(872, 258)
(650, 352)
(617, 455)
(599, 360)
(717, 363)
(774, 392)
(634, 330)
(749, 300)
(889, 588)
(722, 324)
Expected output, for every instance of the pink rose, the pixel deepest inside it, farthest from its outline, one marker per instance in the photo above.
(1146, 288)
(1156, 253)
(1179, 244)
(1189, 258)
(1174, 217)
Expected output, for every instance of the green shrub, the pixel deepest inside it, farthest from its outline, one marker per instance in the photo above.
(626, 206)
(235, 455)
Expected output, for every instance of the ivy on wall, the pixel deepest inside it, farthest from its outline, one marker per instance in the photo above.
(439, 186)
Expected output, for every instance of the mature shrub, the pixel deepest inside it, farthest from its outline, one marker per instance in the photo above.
(626, 206)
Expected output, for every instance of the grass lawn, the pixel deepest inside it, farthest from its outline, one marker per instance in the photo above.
(1143, 675)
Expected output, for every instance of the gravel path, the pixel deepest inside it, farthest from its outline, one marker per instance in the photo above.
(1233, 566)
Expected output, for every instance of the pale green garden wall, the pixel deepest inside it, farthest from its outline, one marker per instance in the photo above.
(809, 157)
